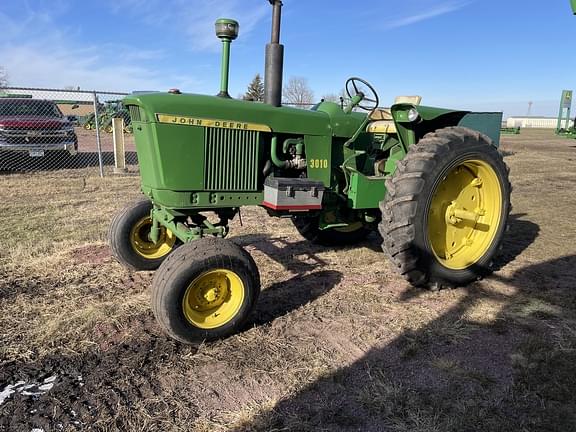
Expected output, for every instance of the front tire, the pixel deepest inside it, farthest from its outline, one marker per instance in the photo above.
(205, 290)
(446, 208)
(128, 237)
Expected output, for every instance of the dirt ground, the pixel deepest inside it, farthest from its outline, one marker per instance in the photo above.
(338, 341)
(87, 141)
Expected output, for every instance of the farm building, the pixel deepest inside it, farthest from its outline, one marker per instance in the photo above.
(534, 122)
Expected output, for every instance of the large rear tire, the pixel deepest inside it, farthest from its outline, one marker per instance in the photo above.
(446, 208)
(205, 290)
(128, 237)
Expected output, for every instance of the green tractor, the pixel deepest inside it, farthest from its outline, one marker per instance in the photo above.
(107, 111)
(430, 180)
(115, 109)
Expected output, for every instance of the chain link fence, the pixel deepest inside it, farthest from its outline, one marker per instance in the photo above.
(51, 129)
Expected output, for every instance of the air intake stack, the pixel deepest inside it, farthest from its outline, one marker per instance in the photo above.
(226, 31)
(274, 59)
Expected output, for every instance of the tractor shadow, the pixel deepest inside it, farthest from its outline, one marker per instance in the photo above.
(419, 379)
(281, 298)
(300, 256)
(309, 282)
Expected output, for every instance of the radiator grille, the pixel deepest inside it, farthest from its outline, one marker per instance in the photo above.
(231, 160)
(134, 113)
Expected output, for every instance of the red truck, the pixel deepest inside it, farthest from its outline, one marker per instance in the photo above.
(35, 126)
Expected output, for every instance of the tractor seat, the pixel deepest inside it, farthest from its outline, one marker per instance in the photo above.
(381, 118)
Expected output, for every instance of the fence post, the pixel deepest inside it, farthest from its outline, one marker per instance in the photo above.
(98, 143)
(118, 138)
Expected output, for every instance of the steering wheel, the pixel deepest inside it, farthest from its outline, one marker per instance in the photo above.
(357, 86)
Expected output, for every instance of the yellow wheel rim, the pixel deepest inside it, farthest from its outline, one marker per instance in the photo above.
(142, 244)
(213, 298)
(465, 214)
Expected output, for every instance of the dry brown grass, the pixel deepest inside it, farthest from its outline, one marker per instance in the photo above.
(338, 341)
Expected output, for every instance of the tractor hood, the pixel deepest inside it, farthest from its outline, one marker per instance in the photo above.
(194, 109)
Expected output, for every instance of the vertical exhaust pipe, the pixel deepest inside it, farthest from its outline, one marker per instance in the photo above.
(274, 60)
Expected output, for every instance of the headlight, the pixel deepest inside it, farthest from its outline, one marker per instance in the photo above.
(413, 115)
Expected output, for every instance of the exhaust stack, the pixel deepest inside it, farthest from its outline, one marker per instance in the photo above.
(274, 60)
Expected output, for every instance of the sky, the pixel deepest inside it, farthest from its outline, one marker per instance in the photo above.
(472, 54)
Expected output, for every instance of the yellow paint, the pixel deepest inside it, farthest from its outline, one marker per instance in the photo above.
(144, 247)
(213, 299)
(382, 126)
(318, 163)
(211, 123)
(465, 214)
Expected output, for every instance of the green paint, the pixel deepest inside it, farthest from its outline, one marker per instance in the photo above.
(564, 112)
(185, 233)
(487, 123)
(208, 153)
(366, 192)
(225, 67)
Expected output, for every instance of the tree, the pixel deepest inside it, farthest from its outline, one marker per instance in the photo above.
(255, 90)
(331, 97)
(3, 77)
(341, 97)
(298, 92)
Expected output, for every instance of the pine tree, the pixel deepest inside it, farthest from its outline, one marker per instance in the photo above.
(255, 90)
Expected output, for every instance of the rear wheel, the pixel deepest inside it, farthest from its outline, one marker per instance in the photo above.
(446, 208)
(309, 228)
(205, 290)
(130, 242)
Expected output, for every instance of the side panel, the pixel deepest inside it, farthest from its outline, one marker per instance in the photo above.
(173, 162)
(319, 158)
(180, 149)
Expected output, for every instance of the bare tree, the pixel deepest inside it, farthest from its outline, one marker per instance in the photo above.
(331, 97)
(298, 92)
(339, 98)
(255, 91)
(3, 77)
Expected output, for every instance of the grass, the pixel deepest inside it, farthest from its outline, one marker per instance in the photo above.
(338, 341)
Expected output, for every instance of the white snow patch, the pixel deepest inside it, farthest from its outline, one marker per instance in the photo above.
(9, 390)
(34, 389)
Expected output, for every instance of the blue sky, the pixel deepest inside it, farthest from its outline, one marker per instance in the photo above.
(477, 54)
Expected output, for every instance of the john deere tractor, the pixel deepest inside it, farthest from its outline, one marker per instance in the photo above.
(430, 180)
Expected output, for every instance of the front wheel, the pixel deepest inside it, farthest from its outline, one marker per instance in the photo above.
(205, 290)
(446, 208)
(130, 242)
